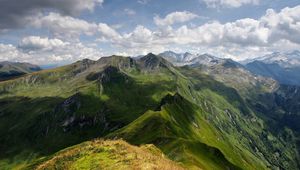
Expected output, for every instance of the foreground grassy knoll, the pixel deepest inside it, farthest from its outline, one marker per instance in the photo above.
(101, 154)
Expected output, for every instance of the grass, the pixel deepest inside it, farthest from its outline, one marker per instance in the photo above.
(100, 154)
(179, 120)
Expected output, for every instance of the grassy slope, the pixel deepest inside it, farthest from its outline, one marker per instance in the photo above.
(180, 130)
(99, 154)
(177, 129)
(215, 119)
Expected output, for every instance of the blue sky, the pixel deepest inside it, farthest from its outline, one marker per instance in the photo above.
(63, 31)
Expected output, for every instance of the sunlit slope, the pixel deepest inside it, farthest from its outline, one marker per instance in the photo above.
(100, 154)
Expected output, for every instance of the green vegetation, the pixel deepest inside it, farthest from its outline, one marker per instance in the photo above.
(188, 115)
(99, 154)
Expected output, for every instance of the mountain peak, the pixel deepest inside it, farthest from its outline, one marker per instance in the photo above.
(152, 61)
(177, 58)
(285, 60)
(117, 61)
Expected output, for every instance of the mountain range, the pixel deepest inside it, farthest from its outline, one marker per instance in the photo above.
(283, 67)
(9, 70)
(208, 114)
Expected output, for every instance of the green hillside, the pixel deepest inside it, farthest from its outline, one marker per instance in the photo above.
(191, 117)
(99, 154)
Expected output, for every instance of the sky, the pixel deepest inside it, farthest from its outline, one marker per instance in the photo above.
(64, 31)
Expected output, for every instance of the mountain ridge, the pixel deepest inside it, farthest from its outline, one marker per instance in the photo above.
(283, 67)
(10, 70)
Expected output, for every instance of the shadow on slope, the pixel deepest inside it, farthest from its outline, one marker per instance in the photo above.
(172, 128)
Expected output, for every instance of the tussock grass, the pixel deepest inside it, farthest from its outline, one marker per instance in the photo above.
(108, 154)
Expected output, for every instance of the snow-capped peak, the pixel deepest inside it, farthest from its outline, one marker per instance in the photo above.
(286, 60)
(188, 58)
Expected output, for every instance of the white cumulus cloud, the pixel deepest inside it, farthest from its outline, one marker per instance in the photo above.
(43, 50)
(229, 3)
(241, 38)
(174, 17)
(65, 26)
(38, 43)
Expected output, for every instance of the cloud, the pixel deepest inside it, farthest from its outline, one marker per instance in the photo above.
(175, 17)
(16, 14)
(129, 12)
(274, 31)
(229, 3)
(34, 43)
(70, 28)
(38, 50)
(64, 26)
(9, 52)
(283, 25)
(241, 38)
(108, 33)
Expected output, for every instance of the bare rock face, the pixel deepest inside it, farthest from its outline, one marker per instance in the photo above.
(82, 65)
(70, 105)
(70, 114)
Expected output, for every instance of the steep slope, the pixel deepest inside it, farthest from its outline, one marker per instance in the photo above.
(237, 76)
(178, 131)
(44, 112)
(10, 69)
(100, 154)
(288, 76)
(227, 71)
(281, 109)
(283, 67)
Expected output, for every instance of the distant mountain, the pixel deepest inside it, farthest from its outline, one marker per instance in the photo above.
(180, 59)
(177, 58)
(14, 69)
(283, 67)
(286, 60)
(224, 70)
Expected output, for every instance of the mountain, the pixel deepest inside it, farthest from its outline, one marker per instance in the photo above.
(11, 69)
(229, 72)
(285, 60)
(196, 119)
(207, 60)
(180, 59)
(235, 75)
(283, 67)
(177, 58)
